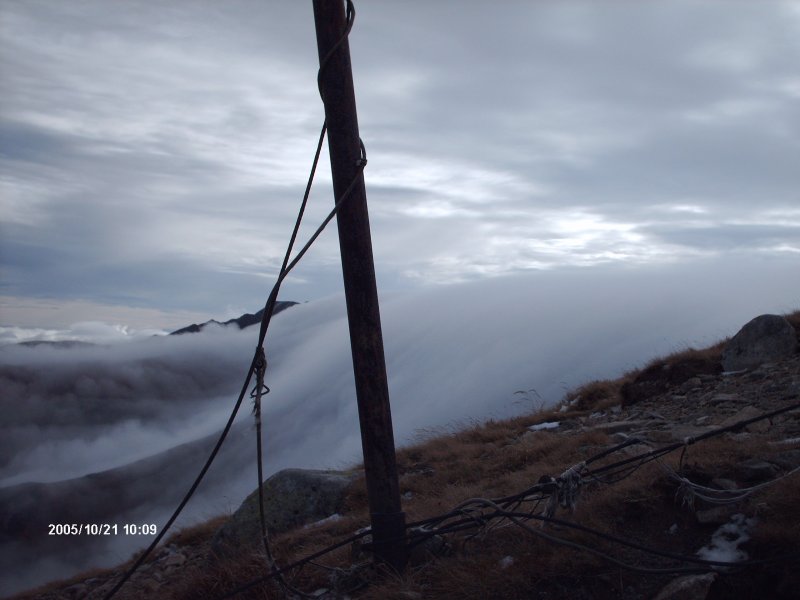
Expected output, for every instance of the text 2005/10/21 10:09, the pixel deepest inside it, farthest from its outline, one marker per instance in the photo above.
(102, 529)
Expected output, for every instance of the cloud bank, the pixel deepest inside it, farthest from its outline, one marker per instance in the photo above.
(455, 354)
(152, 160)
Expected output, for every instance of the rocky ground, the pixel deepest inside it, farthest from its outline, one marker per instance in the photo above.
(706, 402)
(655, 406)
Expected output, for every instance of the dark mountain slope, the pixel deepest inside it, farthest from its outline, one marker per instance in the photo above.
(246, 320)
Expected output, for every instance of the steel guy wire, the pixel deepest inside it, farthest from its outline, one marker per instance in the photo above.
(286, 268)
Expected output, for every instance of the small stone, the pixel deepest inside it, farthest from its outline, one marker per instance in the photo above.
(691, 383)
(702, 420)
(615, 426)
(506, 562)
(678, 433)
(720, 398)
(748, 412)
(659, 437)
(754, 470)
(756, 376)
(175, 560)
(151, 585)
(724, 484)
(788, 460)
(431, 547)
(718, 515)
(688, 587)
(79, 590)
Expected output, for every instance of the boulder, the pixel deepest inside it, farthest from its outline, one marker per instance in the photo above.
(688, 587)
(292, 497)
(766, 338)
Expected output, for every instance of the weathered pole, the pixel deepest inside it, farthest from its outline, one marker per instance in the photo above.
(361, 292)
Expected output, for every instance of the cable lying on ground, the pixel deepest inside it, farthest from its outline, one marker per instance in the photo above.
(478, 515)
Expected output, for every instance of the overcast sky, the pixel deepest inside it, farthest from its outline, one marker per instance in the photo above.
(153, 154)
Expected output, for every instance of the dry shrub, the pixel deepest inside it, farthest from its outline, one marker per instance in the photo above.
(595, 395)
(696, 357)
(794, 319)
(198, 533)
(54, 587)
(662, 374)
(491, 432)
(220, 577)
(779, 517)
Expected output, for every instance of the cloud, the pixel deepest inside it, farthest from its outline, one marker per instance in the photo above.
(152, 160)
(454, 354)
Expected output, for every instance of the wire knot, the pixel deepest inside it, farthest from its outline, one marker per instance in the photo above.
(567, 490)
(260, 388)
(362, 161)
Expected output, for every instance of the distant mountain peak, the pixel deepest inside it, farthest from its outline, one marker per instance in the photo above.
(246, 320)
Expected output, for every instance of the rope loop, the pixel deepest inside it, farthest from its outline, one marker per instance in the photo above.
(350, 17)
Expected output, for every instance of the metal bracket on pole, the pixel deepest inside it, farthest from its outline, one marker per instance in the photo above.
(361, 293)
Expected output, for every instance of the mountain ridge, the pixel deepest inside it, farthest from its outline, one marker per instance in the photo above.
(243, 321)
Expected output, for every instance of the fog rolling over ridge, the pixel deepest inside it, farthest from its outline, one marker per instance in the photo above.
(454, 354)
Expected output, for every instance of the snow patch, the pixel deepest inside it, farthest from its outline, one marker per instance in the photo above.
(725, 541)
(545, 425)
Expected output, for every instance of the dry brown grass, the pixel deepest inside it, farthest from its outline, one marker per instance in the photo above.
(197, 534)
(596, 395)
(54, 587)
(662, 374)
(794, 319)
(494, 460)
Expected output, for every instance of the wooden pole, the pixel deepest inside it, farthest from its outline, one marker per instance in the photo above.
(361, 293)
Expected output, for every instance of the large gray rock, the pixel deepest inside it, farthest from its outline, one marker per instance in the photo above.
(764, 339)
(292, 497)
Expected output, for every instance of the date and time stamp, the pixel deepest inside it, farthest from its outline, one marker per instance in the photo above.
(101, 529)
